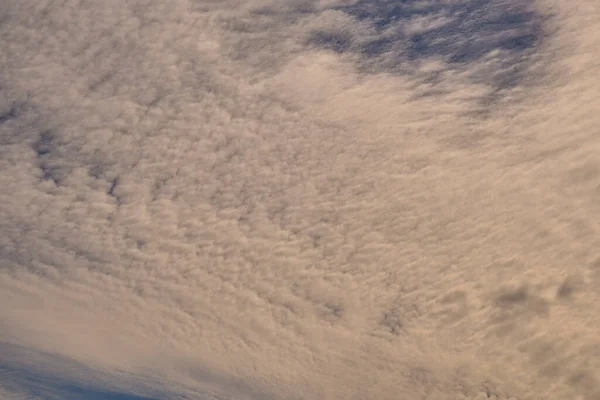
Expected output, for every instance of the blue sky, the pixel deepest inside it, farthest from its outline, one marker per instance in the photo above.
(40, 375)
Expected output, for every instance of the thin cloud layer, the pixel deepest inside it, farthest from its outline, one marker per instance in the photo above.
(300, 199)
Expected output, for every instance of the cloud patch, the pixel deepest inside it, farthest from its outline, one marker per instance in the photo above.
(299, 200)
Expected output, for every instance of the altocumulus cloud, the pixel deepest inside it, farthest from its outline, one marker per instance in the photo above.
(277, 199)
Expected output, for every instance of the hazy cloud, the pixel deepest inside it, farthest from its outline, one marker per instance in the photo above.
(300, 199)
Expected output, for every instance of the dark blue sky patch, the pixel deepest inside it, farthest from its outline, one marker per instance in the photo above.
(338, 42)
(473, 28)
(499, 33)
(37, 376)
(40, 388)
(37, 385)
(42, 375)
(44, 144)
(77, 392)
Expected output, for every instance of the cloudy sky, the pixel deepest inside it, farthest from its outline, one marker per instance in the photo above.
(300, 199)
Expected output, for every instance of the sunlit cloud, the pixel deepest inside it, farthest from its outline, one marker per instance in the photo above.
(299, 199)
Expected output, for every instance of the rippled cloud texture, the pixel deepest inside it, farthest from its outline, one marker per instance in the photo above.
(277, 199)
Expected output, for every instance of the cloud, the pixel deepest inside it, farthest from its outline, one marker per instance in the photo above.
(299, 200)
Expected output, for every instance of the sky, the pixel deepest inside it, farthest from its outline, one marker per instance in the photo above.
(300, 199)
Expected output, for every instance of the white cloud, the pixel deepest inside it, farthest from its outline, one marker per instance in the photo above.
(200, 195)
